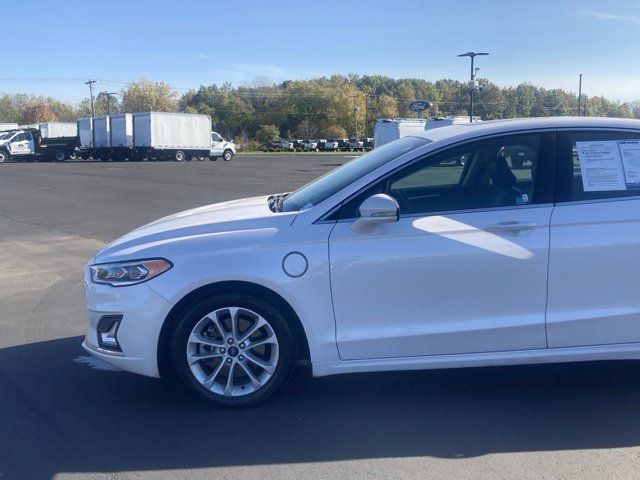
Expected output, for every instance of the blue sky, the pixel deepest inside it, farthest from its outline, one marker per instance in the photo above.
(52, 47)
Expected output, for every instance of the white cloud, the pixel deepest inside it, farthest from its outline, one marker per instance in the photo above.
(609, 16)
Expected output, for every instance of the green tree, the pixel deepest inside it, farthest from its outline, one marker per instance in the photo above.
(37, 113)
(146, 95)
(335, 131)
(525, 99)
(387, 107)
(267, 133)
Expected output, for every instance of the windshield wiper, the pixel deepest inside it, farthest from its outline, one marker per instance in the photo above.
(275, 201)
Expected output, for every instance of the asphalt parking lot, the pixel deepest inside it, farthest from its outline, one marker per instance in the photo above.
(62, 416)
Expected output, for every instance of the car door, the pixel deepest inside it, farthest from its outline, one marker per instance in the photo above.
(464, 269)
(595, 240)
(22, 144)
(216, 144)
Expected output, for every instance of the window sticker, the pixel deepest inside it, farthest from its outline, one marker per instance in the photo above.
(630, 153)
(609, 165)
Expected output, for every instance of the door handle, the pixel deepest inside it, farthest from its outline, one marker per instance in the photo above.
(510, 227)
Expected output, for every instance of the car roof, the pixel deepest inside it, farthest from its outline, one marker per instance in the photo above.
(491, 127)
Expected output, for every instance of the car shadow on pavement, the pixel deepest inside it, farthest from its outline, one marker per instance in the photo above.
(62, 416)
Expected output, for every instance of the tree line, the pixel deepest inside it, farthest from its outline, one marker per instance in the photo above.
(338, 106)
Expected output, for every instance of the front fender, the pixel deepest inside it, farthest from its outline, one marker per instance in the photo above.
(262, 264)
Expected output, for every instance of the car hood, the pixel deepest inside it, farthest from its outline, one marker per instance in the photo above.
(239, 216)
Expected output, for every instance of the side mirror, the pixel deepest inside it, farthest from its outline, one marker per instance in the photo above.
(380, 208)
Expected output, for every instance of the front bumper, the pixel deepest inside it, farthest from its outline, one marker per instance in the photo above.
(143, 312)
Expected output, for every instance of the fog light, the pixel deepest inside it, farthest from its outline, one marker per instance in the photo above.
(108, 332)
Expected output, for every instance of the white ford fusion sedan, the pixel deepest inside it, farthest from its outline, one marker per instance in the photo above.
(506, 242)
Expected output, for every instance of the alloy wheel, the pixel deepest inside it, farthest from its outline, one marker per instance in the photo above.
(232, 351)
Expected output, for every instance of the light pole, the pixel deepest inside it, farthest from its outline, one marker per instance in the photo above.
(580, 96)
(91, 83)
(472, 56)
(355, 114)
(108, 98)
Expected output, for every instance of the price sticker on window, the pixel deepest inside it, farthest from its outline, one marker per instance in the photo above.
(609, 165)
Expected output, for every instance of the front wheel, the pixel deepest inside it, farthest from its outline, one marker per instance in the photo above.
(227, 155)
(4, 156)
(233, 350)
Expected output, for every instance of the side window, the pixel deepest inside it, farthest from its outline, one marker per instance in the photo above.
(21, 137)
(599, 165)
(499, 172)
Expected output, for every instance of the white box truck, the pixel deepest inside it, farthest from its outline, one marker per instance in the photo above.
(85, 137)
(101, 149)
(122, 130)
(390, 129)
(59, 129)
(177, 136)
(5, 127)
(101, 137)
(54, 129)
(121, 135)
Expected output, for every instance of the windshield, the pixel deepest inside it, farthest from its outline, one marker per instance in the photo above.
(335, 180)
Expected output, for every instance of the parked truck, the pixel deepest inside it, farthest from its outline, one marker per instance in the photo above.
(138, 136)
(221, 148)
(177, 136)
(309, 145)
(48, 143)
(148, 135)
(8, 126)
(121, 136)
(101, 138)
(85, 138)
(331, 145)
(390, 129)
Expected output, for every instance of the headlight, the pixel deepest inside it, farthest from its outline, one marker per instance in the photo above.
(120, 274)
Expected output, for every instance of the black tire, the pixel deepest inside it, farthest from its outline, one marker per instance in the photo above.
(179, 156)
(4, 156)
(59, 156)
(227, 155)
(286, 347)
